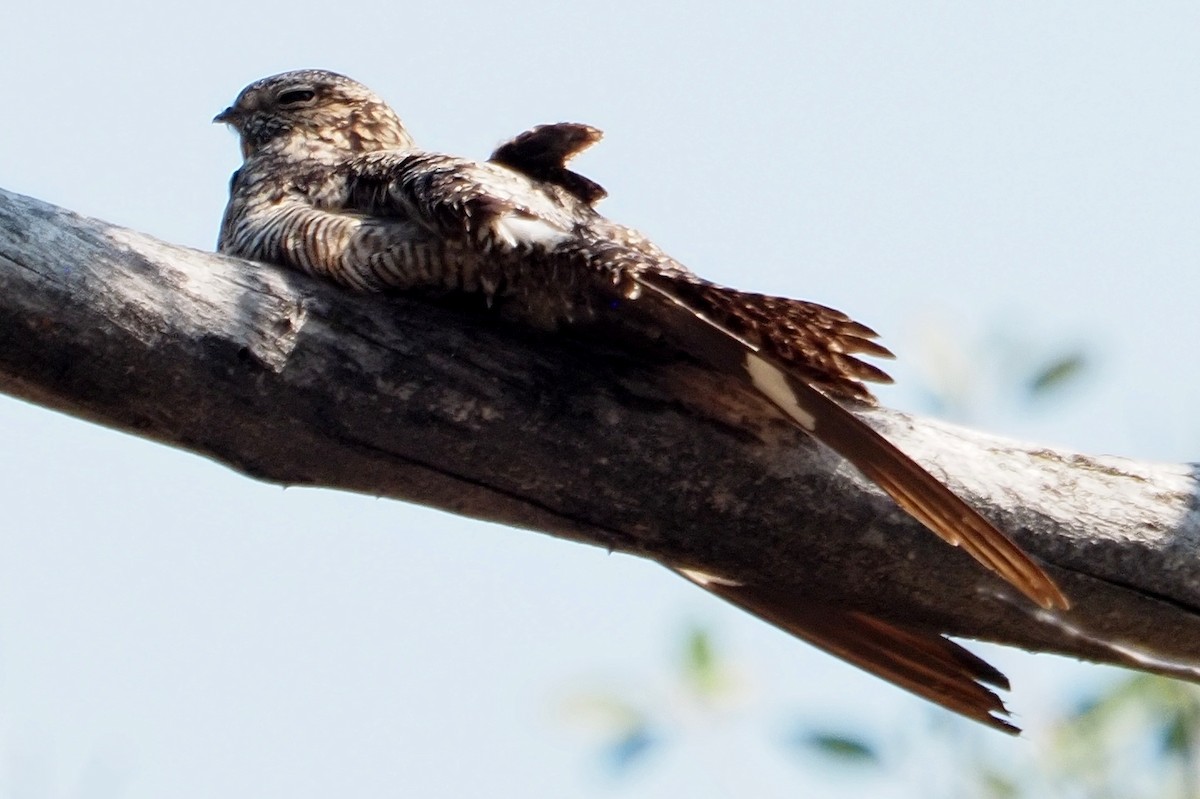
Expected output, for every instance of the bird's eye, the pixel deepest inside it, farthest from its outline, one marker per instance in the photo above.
(296, 96)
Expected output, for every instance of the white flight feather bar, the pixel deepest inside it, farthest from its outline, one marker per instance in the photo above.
(771, 381)
(515, 228)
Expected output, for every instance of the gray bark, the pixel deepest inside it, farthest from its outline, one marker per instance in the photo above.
(293, 381)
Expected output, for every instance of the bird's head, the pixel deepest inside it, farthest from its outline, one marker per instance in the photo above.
(306, 109)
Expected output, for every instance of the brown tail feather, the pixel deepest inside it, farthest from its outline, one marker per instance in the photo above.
(928, 665)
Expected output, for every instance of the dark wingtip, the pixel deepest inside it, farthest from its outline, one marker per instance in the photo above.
(547, 145)
(542, 153)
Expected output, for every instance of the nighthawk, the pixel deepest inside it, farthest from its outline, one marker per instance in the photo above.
(333, 185)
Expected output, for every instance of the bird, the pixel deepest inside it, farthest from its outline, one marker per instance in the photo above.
(332, 184)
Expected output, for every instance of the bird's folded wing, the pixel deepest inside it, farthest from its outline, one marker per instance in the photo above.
(816, 344)
(929, 665)
(693, 329)
(542, 153)
(782, 354)
(457, 198)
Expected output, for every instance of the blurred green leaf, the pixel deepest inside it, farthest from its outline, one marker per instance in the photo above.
(701, 665)
(1178, 738)
(1057, 373)
(841, 747)
(997, 785)
(700, 657)
(1137, 721)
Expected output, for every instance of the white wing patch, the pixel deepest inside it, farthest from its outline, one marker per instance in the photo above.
(515, 229)
(771, 381)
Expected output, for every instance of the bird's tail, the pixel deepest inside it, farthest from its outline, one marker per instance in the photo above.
(927, 664)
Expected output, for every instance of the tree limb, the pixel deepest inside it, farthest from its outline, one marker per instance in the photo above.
(290, 380)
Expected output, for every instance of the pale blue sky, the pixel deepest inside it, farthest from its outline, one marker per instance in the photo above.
(169, 628)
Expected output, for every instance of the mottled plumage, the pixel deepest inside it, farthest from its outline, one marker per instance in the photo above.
(333, 185)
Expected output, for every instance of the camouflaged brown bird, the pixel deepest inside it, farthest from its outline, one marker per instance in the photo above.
(333, 185)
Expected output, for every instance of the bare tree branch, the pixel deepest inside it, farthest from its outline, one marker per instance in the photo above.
(293, 381)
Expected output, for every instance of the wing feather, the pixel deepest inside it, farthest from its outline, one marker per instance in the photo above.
(929, 665)
(818, 344)
(542, 153)
(457, 198)
(912, 487)
(783, 348)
